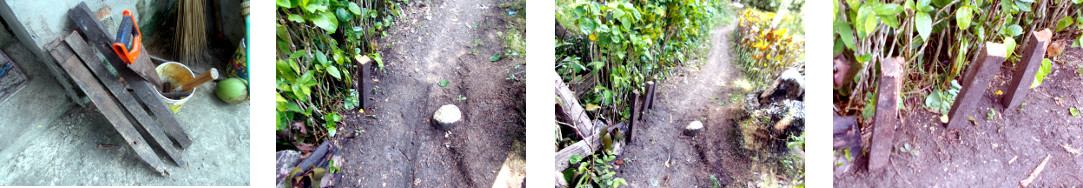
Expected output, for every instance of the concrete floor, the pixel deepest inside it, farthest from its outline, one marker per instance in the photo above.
(66, 152)
(41, 102)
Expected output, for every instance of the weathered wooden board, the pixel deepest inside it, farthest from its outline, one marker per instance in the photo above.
(978, 75)
(98, 38)
(886, 118)
(146, 123)
(1026, 68)
(108, 106)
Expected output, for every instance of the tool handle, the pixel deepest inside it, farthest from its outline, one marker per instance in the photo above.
(129, 39)
(207, 76)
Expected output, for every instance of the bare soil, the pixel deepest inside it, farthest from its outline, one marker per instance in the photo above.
(437, 40)
(661, 156)
(991, 153)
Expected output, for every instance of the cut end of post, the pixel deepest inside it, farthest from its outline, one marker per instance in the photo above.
(996, 49)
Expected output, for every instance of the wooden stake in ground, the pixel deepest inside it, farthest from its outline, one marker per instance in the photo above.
(978, 75)
(1026, 69)
(1034, 174)
(887, 111)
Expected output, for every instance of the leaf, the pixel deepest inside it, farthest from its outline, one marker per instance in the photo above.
(889, 9)
(1009, 44)
(591, 107)
(284, 3)
(443, 83)
(354, 8)
(846, 33)
(334, 72)
(1047, 65)
(296, 18)
(1064, 23)
(343, 15)
(326, 21)
(864, 58)
(963, 17)
(495, 57)
(1014, 30)
(867, 20)
(933, 100)
(1074, 111)
(575, 159)
(924, 25)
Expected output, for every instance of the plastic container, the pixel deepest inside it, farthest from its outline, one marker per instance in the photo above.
(175, 74)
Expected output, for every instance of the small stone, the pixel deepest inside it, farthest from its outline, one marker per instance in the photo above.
(447, 116)
(693, 128)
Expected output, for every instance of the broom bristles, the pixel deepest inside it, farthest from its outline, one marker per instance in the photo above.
(191, 38)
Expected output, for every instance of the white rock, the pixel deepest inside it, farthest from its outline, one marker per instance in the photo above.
(693, 128)
(447, 116)
(695, 125)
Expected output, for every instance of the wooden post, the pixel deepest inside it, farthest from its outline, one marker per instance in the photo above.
(1025, 69)
(979, 74)
(886, 118)
(635, 116)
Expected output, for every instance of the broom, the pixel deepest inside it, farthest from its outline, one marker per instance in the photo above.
(191, 37)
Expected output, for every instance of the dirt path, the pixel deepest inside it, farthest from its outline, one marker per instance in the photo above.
(660, 156)
(994, 153)
(434, 41)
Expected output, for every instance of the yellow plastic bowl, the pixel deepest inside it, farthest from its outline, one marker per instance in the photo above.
(175, 74)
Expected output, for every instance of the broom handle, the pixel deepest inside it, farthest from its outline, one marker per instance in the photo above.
(210, 74)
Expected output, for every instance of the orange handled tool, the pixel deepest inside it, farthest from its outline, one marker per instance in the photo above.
(129, 46)
(129, 39)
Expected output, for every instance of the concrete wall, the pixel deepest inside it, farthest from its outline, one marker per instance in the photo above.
(47, 20)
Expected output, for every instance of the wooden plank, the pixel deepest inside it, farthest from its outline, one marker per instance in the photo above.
(97, 38)
(76, 44)
(886, 118)
(58, 72)
(1025, 69)
(107, 105)
(979, 74)
(584, 148)
(571, 107)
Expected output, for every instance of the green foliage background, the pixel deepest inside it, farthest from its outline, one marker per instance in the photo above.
(319, 43)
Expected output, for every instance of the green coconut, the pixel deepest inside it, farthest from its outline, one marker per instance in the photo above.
(232, 90)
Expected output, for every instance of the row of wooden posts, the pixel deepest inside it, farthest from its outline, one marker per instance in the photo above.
(974, 84)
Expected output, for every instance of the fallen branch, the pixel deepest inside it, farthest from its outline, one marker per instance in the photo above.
(571, 109)
(1034, 174)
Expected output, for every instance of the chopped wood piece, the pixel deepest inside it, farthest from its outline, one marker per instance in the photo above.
(1034, 174)
(978, 75)
(886, 118)
(1025, 69)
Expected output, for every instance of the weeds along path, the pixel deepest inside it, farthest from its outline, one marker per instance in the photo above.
(434, 41)
(659, 155)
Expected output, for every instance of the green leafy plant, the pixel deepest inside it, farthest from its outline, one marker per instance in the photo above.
(941, 101)
(1074, 111)
(1044, 70)
(992, 113)
(319, 45)
(595, 171)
